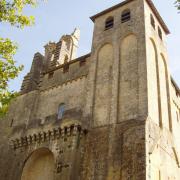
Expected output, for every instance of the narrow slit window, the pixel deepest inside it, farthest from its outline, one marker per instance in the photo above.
(61, 110)
(125, 16)
(152, 21)
(160, 33)
(109, 23)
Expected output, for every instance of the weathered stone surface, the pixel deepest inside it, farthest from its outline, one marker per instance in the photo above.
(121, 116)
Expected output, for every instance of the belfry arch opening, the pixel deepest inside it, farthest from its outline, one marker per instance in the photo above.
(126, 16)
(109, 23)
(39, 166)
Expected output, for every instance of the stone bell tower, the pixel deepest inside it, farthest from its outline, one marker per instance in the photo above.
(69, 45)
(62, 52)
(129, 96)
(112, 114)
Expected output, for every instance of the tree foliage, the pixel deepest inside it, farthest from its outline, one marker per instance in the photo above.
(11, 12)
(178, 4)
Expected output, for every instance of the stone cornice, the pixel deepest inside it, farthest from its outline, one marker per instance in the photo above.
(45, 136)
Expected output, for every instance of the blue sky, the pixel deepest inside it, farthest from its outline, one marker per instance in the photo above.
(55, 18)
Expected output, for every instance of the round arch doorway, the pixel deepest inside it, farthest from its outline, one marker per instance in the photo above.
(39, 166)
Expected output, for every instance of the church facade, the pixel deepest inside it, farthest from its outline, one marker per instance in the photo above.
(112, 114)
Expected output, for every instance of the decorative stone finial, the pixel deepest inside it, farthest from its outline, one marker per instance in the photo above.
(76, 33)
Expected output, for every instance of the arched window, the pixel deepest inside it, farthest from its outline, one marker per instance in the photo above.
(109, 23)
(61, 110)
(160, 33)
(152, 21)
(125, 16)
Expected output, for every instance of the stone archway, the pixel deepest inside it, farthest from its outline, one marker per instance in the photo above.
(39, 166)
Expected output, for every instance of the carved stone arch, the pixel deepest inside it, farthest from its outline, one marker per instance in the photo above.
(125, 35)
(154, 45)
(68, 41)
(109, 18)
(164, 60)
(167, 90)
(39, 165)
(128, 77)
(153, 69)
(176, 156)
(103, 84)
(99, 47)
(66, 37)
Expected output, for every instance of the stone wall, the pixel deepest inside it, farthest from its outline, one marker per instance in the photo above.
(122, 109)
(162, 127)
(115, 152)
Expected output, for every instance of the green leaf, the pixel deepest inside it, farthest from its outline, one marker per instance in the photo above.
(11, 11)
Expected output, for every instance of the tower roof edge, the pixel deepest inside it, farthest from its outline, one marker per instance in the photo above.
(150, 3)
